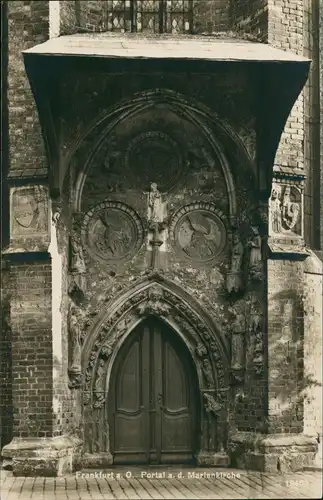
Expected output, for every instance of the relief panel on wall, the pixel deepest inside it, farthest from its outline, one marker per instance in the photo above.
(198, 233)
(112, 232)
(285, 211)
(29, 225)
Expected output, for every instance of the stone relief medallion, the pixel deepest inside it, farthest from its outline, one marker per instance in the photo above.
(153, 157)
(112, 231)
(198, 232)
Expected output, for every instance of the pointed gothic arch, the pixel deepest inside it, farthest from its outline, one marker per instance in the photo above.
(202, 338)
(219, 134)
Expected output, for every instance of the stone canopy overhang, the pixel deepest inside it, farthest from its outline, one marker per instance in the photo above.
(278, 78)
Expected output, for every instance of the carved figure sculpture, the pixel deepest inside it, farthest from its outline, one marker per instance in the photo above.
(56, 215)
(74, 369)
(211, 405)
(234, 280)
(275, 209)
(116, 239)
(155, 204)
(77, 264)
(29, 210)
(100, 385)
(201, 350)
(199, 236)
(238, 348)
(290, 210)
(255, 247)
(208, 373)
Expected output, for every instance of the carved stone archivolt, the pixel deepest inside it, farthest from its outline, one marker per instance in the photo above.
(101, 346)
(198, 232)
(285, 210)
(112, 232)
(163, 303)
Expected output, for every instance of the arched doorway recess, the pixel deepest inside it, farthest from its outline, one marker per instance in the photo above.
(175, 323)
(153, 398)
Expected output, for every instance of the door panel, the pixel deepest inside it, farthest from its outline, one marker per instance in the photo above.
(177, 408)
(129, 411)
(152, 411)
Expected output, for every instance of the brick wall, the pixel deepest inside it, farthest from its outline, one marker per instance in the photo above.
(32, 362)
(211, 17)
(285, 31)
(312, 126)
(285, 346)
(4, 157)
(5, 360)
(250, 17)
(313, 304)
(28, 25)
(69, 17)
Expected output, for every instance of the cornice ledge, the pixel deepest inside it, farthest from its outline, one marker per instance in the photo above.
(279, 250)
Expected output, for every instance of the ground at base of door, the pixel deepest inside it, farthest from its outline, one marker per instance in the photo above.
(150, 483)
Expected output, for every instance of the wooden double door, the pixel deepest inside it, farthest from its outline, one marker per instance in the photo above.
(153, 396)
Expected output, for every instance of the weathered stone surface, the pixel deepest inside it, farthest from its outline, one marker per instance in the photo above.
(272, 453)
(158, 182)
(213, 459)
(42, 457)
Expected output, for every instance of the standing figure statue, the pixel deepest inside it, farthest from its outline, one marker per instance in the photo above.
(208, 373)
(276, 210)
(255, 247)
(234, 279)
(100, 384)
(155, 204)
(77, 264)
(75, 369)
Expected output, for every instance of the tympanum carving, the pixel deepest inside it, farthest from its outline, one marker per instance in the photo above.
(153, 156)
(112, 232)
(197, 231)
